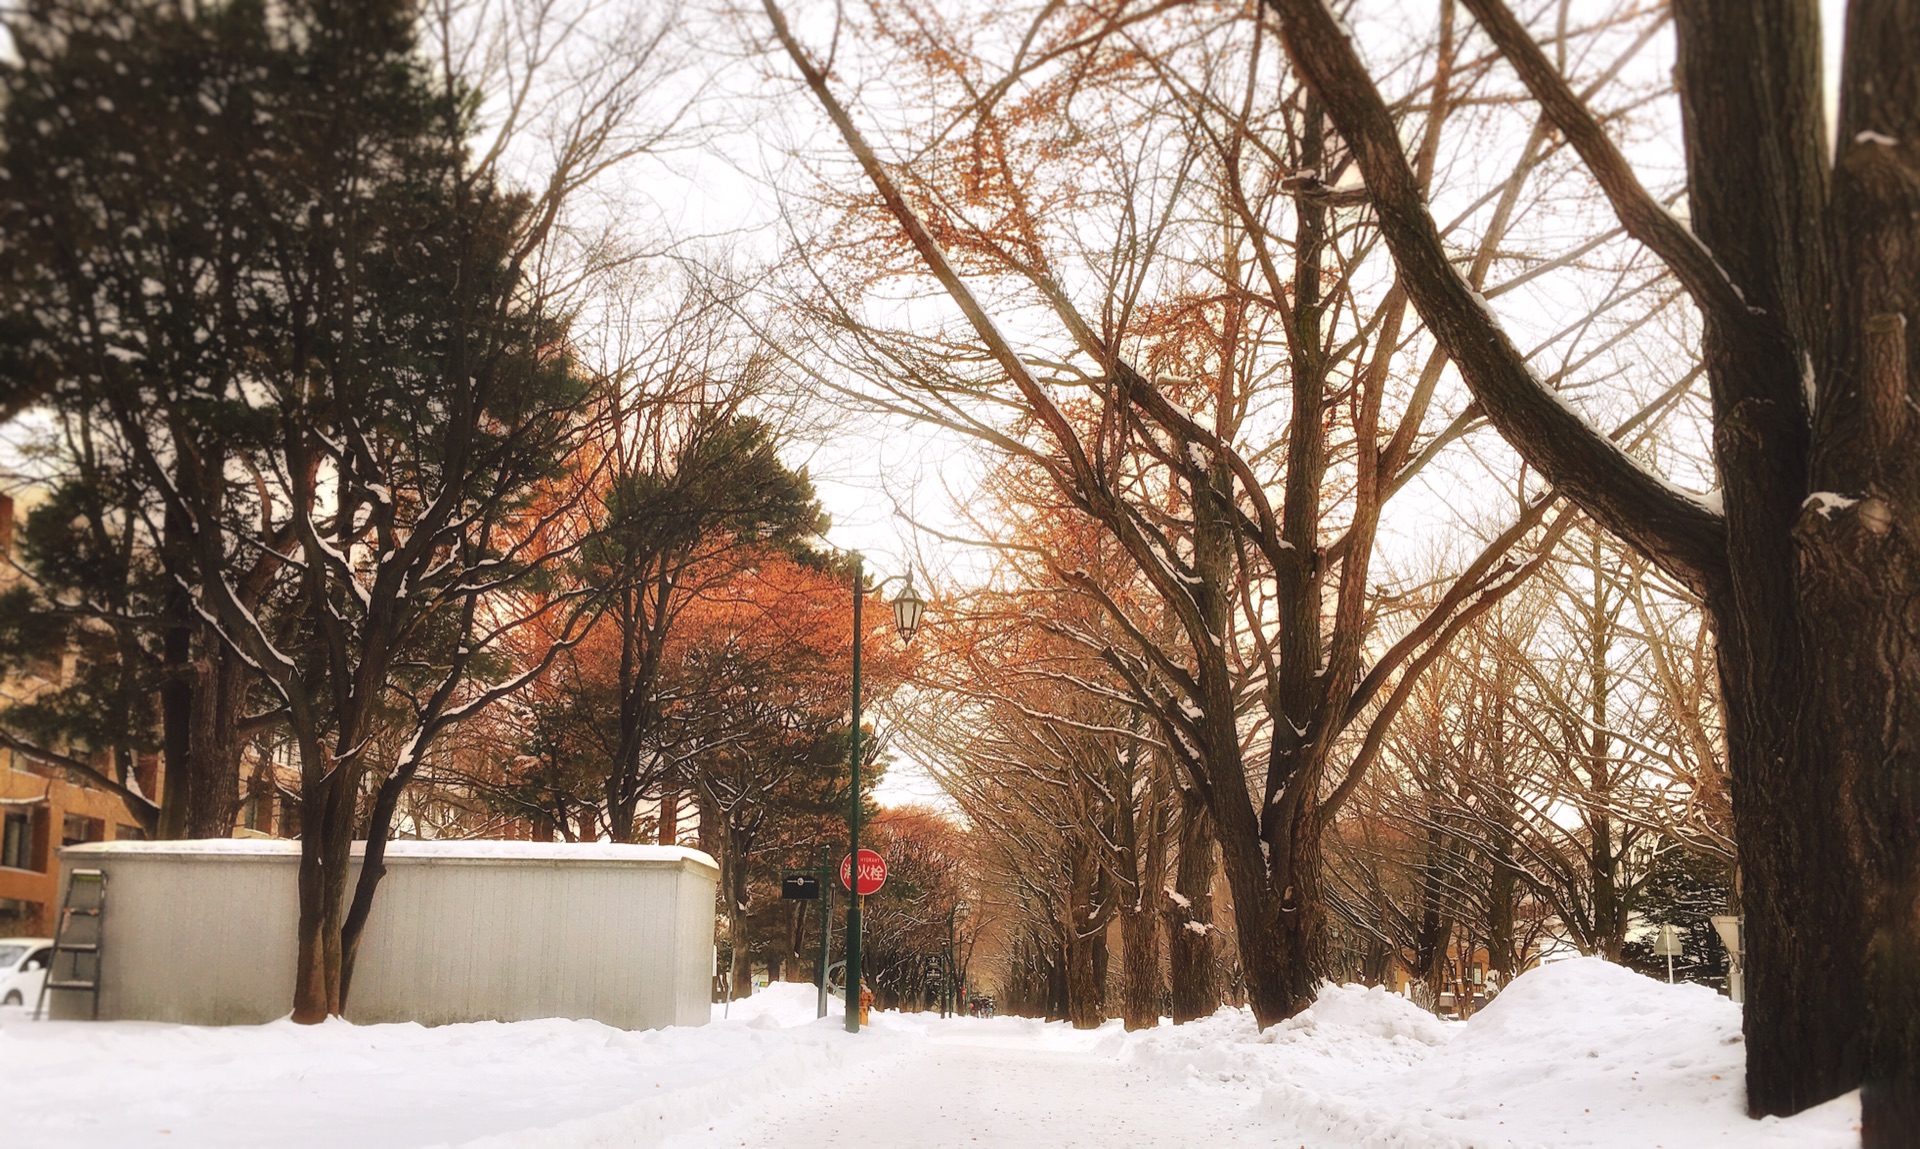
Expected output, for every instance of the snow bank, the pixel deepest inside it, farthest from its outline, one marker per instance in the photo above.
(1305, 1068)
(486, 1085)
(1575, 1053)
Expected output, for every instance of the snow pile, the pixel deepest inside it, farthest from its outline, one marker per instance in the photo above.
(1306, 1068)
(484, 1085)
(1581, 1046)
(1373, 1012)
(1576, 1053)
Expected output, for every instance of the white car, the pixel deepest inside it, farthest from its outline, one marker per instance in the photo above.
(23, 966)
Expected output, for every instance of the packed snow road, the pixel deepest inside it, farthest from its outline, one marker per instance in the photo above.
(974, 1089)
(1576, 1054)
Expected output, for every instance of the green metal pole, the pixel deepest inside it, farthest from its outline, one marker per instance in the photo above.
(826, 923)
(853, 817)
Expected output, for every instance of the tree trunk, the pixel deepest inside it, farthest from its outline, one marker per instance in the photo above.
(1085, 1007)
(1858, 573)
(201, 699)
(1300, 925)
(1435, 927)
(1269, 937)
(1857, 745)
(1085, 981)
(1143, 858)
(1603, 858)
(1057, 1007)
(1272, 864)
(733, 886)
(742, 970)
(1140, 920)
(620, 817)
(176, 684)
(1373, 963)
(1101, 968)
(373, 867)
(1502, 867)
(1140, 967)
(1862, 726)
(313, 998)
(325, 852)
(1500, 939)
(1190, 945)
(794, 966)
(1749, 81)
(670, 805)
(214, 742)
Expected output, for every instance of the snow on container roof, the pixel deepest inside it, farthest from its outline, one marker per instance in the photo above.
(445, 851)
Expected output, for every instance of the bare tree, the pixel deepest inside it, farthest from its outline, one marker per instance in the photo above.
(1799, 256)
(1230, 397)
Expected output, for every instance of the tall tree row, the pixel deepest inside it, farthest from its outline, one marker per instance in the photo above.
(1177, 321)
(1070, 797)
(1555, 772)
(1797, 251)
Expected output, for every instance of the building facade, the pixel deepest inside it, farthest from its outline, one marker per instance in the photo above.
(41, 810)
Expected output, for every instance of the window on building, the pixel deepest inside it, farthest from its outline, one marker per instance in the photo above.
(125, 833)
(78, 828)
(16, 844)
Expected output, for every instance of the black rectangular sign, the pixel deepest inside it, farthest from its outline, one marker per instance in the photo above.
(799, 887)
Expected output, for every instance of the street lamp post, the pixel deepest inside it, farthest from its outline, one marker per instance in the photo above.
(907, 609)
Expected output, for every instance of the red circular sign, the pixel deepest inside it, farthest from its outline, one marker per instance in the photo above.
(873, 872)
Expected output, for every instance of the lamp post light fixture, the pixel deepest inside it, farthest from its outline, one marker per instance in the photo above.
(908, 607)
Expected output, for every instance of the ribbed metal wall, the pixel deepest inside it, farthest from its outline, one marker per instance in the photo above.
(203, 932)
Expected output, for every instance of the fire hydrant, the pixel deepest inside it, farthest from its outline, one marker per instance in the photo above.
(866, 1001)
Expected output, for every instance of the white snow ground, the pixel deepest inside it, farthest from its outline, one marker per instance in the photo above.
(1579, 1053)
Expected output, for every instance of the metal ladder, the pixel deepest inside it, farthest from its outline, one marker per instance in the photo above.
(80, 881)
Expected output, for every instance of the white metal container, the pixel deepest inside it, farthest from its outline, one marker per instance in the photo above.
(203, 932)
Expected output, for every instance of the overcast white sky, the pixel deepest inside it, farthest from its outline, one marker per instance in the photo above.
(725, 194)
(728, 194)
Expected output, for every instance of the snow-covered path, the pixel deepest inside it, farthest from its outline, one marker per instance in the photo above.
(1576, 1055)
(967, 1089)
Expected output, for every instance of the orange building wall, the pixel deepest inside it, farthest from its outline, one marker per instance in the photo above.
(29, 894)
